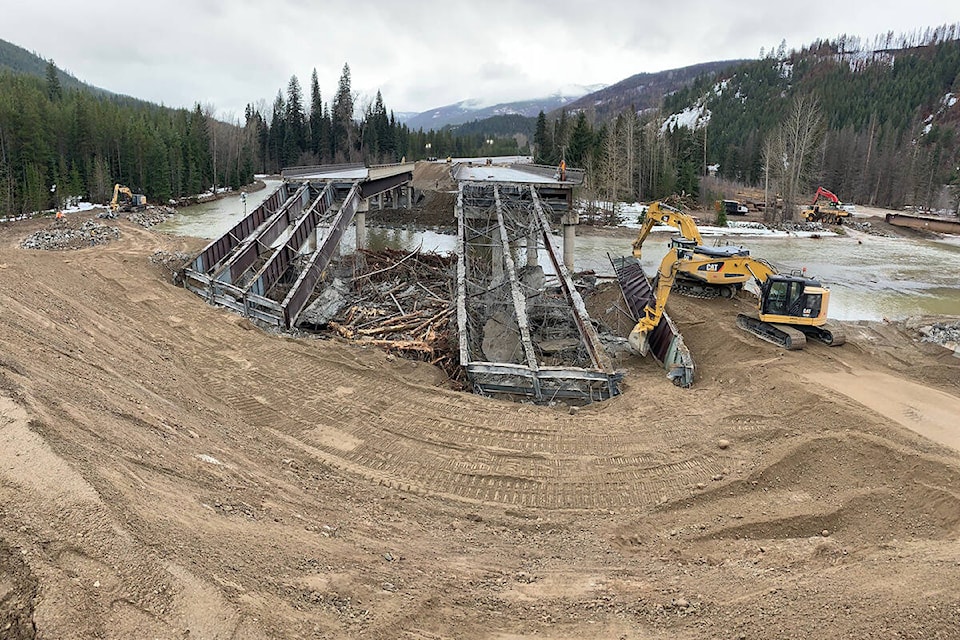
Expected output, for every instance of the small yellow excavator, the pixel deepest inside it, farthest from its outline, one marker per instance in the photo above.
(708, 272)
(133, 202)
(790, 308)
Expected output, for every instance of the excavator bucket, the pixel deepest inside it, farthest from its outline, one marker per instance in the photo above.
(664, 342)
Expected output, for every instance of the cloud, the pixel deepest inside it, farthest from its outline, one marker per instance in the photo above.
(421, 53)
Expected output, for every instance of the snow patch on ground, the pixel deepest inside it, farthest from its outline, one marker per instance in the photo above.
(691, 118)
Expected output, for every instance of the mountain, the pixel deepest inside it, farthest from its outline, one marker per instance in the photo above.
(19, 60)
(643, 90)
(470, 110)
(890, 116)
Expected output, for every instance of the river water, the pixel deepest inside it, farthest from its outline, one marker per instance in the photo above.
(870, 277)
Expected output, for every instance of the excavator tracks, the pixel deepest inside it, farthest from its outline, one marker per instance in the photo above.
(781, 335)
(829, 334)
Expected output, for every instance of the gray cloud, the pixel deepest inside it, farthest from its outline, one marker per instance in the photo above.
(419, 53)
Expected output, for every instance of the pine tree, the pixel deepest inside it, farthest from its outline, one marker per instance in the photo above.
(54, 91)
(295, 133)
(342, 118)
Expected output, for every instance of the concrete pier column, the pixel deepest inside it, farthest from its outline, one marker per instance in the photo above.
(380, 200)
(532, 257)
(360, 220)
(497, 262)
(569, 220)
(409, 196)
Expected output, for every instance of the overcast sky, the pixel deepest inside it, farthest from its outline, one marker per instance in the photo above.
(420, 53)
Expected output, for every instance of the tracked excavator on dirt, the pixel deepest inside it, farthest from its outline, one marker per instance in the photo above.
(133, 201)
(704, 272)
(790, 308)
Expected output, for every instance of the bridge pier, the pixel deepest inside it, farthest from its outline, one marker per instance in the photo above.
(532, 258)
(570, 220)
(360, 220)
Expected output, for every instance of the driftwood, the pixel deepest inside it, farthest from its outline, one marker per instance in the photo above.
(397, 303)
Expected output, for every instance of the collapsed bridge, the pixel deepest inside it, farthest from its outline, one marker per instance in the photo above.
(268, 265)
(522, 329)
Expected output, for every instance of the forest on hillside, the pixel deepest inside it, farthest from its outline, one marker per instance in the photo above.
(882, 121)
(56, 142)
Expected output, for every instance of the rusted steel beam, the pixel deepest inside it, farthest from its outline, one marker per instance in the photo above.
(370, 188)
(209, 259)
(278, 263)
(259, 242)
(300, 293)
(929, 223)
(519, 301)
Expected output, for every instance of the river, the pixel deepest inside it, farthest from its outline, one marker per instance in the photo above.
(870, 277)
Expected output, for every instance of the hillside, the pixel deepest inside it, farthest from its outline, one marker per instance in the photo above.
(644, 90)
(890, 117)
(18, 60)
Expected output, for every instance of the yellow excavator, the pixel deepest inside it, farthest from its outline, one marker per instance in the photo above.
(790, 308)
(707, 272)
(134, 201)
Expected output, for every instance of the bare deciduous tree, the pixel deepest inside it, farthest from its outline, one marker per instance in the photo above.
(791, 148)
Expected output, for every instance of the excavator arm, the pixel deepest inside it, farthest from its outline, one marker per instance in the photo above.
(829, 195)
(664, 214)
(666, 274)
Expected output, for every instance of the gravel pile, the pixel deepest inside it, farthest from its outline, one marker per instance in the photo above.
(941, 333)
(171, 262)
(88, 234)
(152, 216)
(866, 227)
(813, 227)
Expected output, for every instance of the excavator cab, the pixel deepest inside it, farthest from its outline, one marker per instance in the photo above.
(791, 297)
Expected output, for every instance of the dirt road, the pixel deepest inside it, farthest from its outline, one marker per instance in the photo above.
(167, 470)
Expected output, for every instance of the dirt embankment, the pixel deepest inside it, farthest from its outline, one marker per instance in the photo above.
(168, 470)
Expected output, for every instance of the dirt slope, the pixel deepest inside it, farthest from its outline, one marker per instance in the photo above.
(167, 470)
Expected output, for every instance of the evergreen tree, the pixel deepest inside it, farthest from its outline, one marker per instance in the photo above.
(54, 91)
(543, 142)
(295, 130)
(342, 119)
(581, 142)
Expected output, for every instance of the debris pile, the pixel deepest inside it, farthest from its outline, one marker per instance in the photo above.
(401, 302)
(62, 238)
(811, 227)
(173, 262)
(943, 333)
(866, 227)
(152, 216)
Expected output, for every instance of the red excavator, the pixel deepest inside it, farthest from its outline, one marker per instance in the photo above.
(830, 213)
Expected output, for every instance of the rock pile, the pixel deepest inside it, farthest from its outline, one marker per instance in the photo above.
(152, 216)
(171, 262)
(812, 227)
(945, 333)
(88, 234)
(866, 227)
